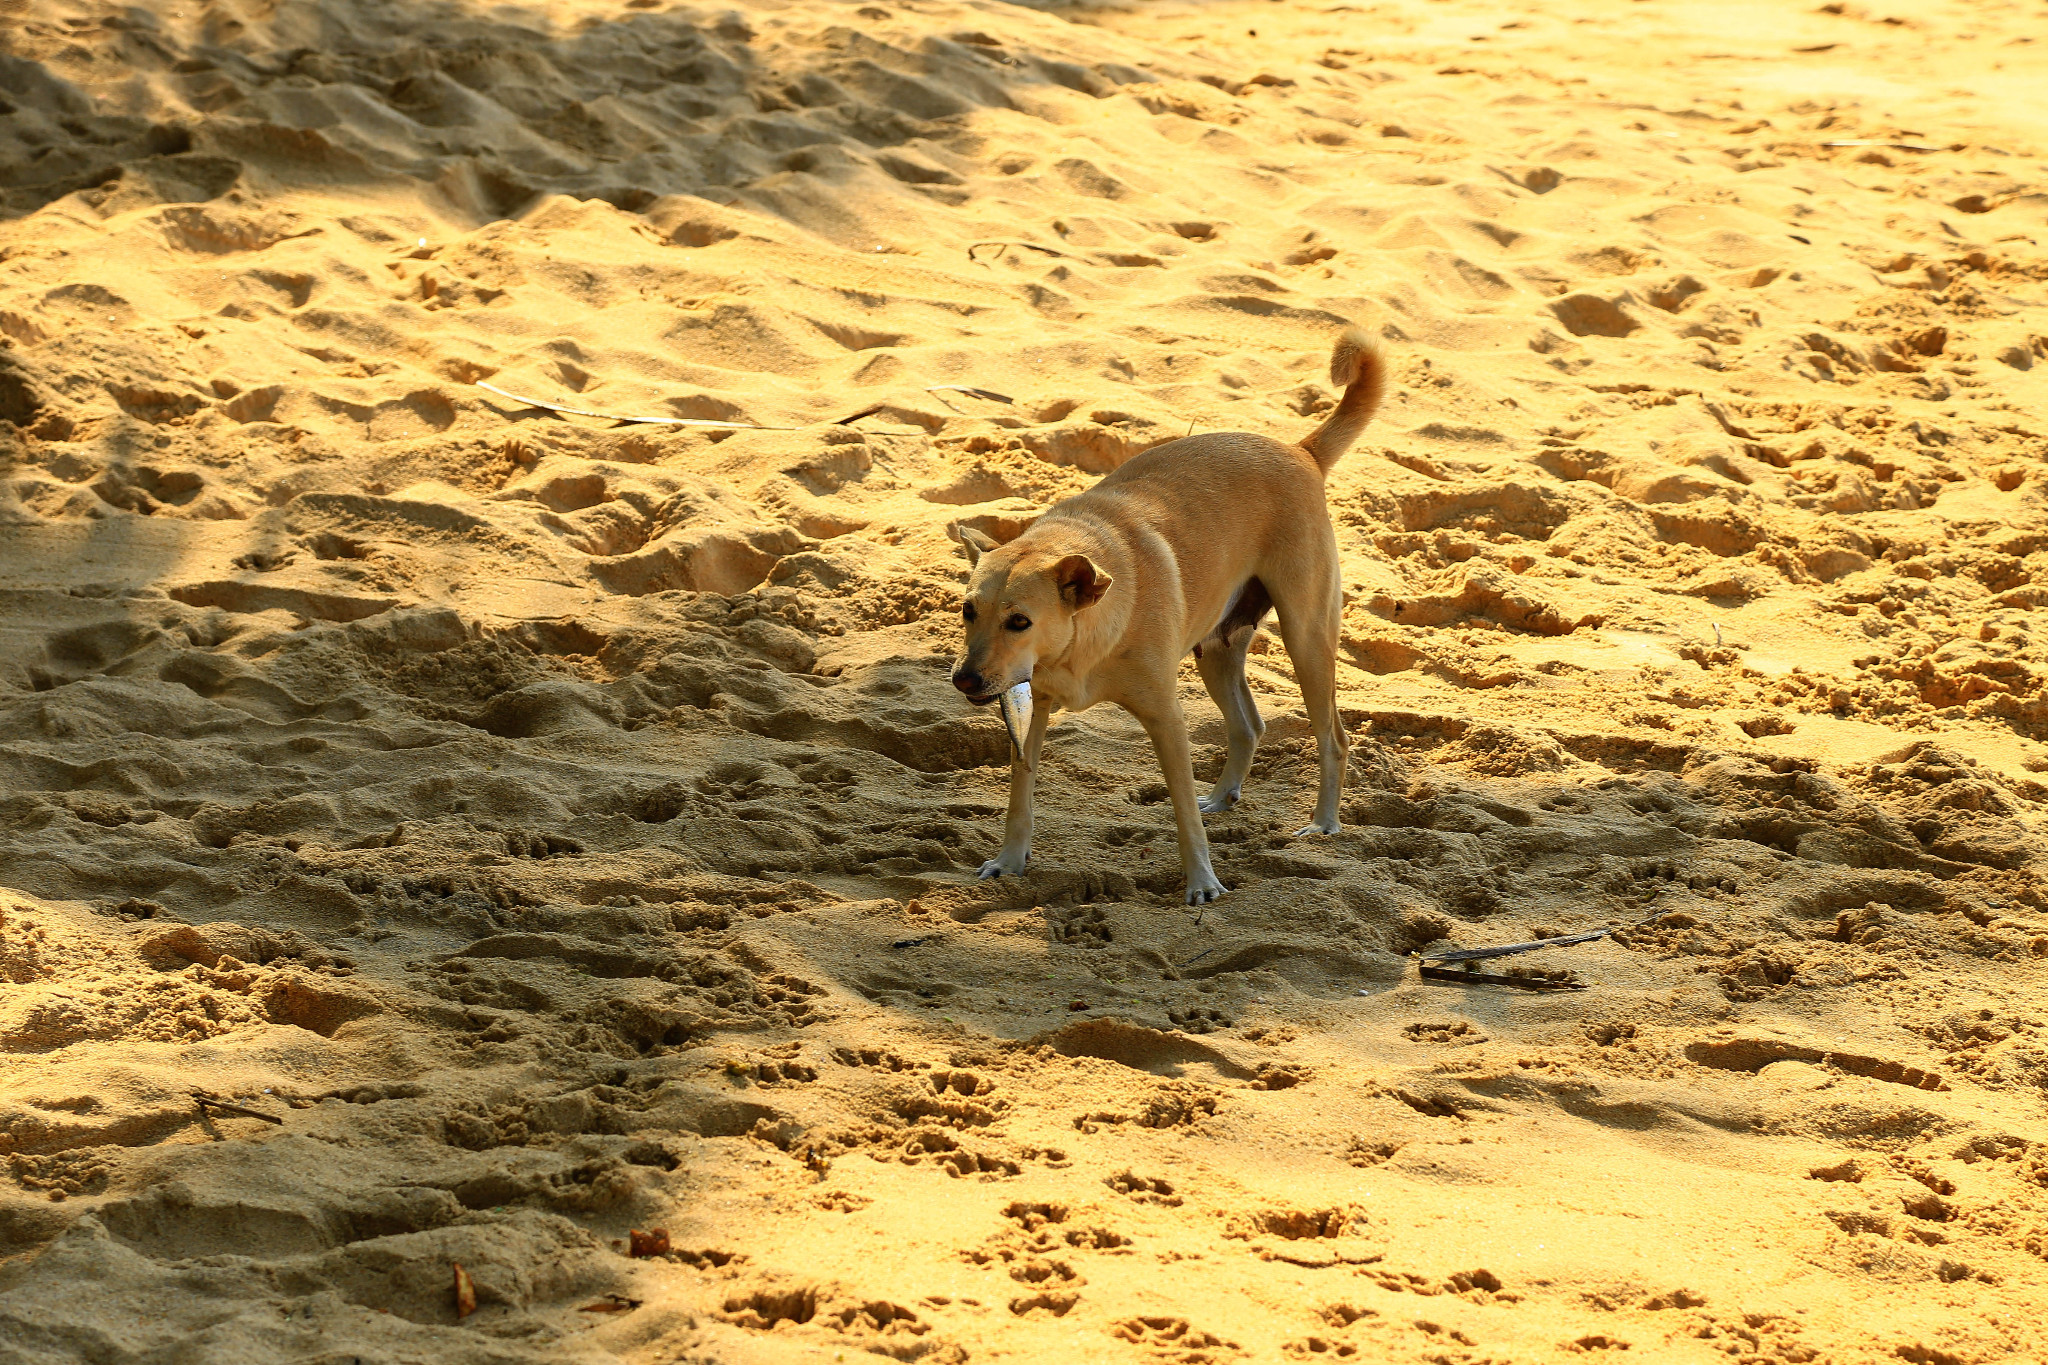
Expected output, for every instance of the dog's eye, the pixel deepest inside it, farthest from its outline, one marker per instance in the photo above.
(967, 610)
(1018, 622)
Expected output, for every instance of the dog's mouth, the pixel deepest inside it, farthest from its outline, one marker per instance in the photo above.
(984, 701)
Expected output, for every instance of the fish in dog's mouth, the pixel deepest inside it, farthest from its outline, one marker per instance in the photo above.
(997, 694)
(1016, 708)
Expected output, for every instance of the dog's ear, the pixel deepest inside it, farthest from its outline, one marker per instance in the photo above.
(974, 542)
(1081, 584)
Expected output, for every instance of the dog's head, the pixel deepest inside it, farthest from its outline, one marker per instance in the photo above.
(1021, 603)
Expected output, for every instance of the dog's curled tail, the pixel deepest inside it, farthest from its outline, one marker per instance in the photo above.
(1361, 371)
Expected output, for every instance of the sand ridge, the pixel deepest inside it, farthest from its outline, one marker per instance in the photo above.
(566, 828)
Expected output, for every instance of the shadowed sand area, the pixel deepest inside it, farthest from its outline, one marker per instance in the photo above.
(565, 828)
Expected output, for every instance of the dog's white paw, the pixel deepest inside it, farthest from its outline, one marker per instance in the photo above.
(1215, 803)
(1203, 887)
(1318, 828)
(997, 867)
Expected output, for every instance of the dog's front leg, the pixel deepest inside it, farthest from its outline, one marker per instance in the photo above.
(1163, 721)
(1016, 851)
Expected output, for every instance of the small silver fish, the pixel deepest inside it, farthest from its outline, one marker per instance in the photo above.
(1016, 708)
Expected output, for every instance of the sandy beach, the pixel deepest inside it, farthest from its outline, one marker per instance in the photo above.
(486, 883)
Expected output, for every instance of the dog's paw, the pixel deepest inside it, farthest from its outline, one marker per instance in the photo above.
(1203, 887)
(1317, 828)
(1216, 802)
(997, 867)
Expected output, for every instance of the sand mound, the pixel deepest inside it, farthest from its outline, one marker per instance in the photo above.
(440, 830)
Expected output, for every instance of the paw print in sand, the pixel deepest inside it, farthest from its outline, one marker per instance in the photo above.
(1174, 1338)
(1084, 927)
(946, 1152)
(1143, 1189)
(1455, 1032)
(960, 1083)
(877, 1059)
(1200, 1019)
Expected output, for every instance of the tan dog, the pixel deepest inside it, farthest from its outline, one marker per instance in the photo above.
(1184, 547)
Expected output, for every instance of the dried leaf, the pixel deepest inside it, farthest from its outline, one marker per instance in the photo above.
(206, 1101)
(989, 394)
(626, 416)
(465, 1292)
(1003, 246)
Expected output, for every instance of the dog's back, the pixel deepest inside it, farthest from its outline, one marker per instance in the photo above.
(1232, 503)
(1212, 474)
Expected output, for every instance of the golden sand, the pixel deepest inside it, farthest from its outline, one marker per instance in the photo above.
(528, 831)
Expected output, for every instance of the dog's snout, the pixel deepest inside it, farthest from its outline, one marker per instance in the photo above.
(968, 681)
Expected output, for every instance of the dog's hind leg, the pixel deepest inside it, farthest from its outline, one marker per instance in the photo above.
(1163, 720)
(1310, 628)
(1221, 663)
